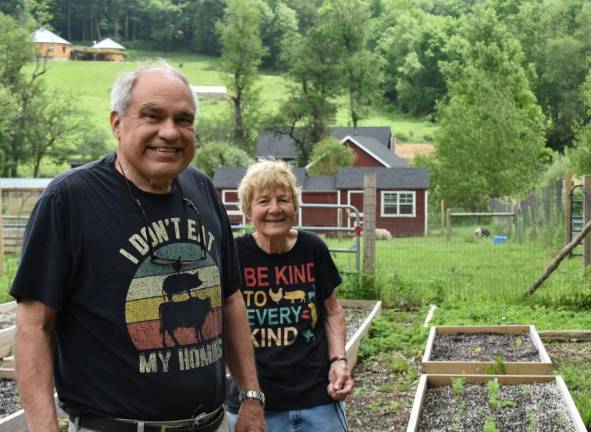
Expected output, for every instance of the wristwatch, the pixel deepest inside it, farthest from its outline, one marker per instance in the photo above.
(252, 394)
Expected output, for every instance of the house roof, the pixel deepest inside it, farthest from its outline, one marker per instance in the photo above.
(376, 150)
(280, 145)
(379, 133)
(230, 177)
(395, 178)
(320, 183)
(346, 178)
(24, 183)
(45, 36)
(276, 144)
(108, 44)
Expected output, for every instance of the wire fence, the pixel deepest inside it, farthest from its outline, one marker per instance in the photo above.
(434, 268)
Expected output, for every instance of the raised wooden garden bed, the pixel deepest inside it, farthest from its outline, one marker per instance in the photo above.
(354, 340)
(7, 331)
(511, 349)
(539, 403)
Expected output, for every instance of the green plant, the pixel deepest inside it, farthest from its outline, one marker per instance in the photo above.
(457, 384)
(498, 368)
(493, 393)
(532, 421)
(398, 364)
(583, 402)
(490, 425)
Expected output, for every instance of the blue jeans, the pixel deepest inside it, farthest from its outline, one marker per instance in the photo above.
(321, 418)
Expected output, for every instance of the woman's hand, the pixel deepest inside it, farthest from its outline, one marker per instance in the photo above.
(340, 382)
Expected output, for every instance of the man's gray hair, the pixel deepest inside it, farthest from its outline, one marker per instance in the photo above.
(121, 90)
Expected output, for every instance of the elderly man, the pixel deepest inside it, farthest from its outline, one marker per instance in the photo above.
(127, 289)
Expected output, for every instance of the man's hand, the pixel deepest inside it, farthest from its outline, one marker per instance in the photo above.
(251, 417)
(340, 382)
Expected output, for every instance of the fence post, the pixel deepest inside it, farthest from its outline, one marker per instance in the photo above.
(1, 238)
(369, 222)
(448, 224)
(586, 219)
(442, 215)
(568, 184)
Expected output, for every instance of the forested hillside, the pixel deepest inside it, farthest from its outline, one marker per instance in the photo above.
(506, 81)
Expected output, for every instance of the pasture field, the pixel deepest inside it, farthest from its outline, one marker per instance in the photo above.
(89, 82)
(476, 281)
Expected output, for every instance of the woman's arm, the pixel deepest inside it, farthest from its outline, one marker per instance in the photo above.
(340, 382)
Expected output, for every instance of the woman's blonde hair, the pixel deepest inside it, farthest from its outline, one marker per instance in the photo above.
(267, 175)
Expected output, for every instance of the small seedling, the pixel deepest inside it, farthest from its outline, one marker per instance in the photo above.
(518, 342)
(498, 368)
(490, 425)
(493, 393)
(532, 421)
(502, 370)
(458, 385)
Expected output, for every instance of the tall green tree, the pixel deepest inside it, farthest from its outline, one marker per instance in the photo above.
(492, 129)
(279, 31)
(311, 104)
(554, 35)
(349, 20)
(215, 154)
(580, 155)
(242, 52)
(413, 48)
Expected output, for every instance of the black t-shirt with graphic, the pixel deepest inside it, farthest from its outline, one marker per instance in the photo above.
(284, 295)
(134, 339)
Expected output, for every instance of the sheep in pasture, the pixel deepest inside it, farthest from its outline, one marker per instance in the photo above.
(383, 234)
(481, 232)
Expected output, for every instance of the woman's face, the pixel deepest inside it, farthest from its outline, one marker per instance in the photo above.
(272, 213)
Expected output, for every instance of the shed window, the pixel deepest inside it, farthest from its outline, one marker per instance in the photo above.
(398, 203)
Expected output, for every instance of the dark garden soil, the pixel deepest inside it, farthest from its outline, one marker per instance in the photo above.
(382, 399)
(484, 347)
(527, 407)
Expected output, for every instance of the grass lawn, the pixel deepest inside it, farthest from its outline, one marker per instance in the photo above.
(90, 82)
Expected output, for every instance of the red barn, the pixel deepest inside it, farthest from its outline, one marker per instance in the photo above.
(401, 202)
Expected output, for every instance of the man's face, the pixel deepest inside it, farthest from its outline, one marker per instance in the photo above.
(156, 135)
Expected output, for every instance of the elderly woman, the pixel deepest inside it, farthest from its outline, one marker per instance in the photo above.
(297, 325)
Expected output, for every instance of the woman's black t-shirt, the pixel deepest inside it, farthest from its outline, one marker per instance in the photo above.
(284, 296)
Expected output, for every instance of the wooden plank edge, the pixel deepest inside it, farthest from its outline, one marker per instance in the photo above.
(430, 342)
(570, 405)
(500, 329)
(417, 405)
(446, 379)
(7, 373)
(352, 345)
(565, 335)
(8, 306)
(533, 334)
(476, 368)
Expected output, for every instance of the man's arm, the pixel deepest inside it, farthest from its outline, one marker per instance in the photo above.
(35, 323)
(240, 359)
(340, 382)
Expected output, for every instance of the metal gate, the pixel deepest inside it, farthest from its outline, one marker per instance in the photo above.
(355, 229)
